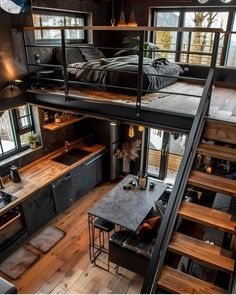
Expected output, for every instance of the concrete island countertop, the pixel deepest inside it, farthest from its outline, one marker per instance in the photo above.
(42, 172)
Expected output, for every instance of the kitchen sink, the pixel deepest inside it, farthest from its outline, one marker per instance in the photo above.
(72, 156)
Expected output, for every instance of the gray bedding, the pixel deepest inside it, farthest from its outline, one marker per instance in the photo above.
(123, 72)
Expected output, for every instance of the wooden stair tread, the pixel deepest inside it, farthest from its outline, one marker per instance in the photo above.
(207, 216)
(213, 183)
(179, 282)
(217, 151)
(201, 252)
(220, 131)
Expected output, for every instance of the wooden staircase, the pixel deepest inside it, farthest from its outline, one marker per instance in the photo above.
(197, 250)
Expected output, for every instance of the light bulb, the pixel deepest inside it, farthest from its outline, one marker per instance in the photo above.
(140, 128)
(131, 131)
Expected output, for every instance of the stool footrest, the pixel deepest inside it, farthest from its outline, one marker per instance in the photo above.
(103, 225)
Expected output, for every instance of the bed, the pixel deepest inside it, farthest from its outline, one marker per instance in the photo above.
(122, 72)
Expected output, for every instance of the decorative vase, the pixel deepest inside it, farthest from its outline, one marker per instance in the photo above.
(126, 165)
(33, 145)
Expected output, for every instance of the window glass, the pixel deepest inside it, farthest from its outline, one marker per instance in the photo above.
(199, 41)
(231, 58)
(46, 20)
(177, 143)
(24, 118)
(15, 127)
(6, 133)
(165, 40)
(24, 138)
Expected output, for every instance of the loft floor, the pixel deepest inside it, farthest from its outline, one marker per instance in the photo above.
(66, 267)
(223, 102)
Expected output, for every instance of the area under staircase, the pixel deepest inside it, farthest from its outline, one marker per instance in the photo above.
(191, 246)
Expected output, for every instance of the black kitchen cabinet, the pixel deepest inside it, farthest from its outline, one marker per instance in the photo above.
(87, 175)
(99, 169)
(39, 209)
(64, 193)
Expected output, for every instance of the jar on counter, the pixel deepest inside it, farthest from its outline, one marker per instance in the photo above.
(57, 118)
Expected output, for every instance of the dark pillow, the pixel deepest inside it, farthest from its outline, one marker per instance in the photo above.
(73, 55)
(91, 53)
(153, 221)
(147, 231)
(145, 227)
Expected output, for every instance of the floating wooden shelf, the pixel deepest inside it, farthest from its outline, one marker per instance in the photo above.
(55, 126)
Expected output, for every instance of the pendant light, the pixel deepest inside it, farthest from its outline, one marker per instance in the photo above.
(131, 131)
(12, 90)
(113, 21)
(132, 22)
(122, 22)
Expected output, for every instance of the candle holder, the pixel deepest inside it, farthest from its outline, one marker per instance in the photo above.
(142, 180)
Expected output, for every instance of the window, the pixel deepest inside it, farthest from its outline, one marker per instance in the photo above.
(166, 40)
(202, 42)
(197, 46)
(50, 19)
(15, 126)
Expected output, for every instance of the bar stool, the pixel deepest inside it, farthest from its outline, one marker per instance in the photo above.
(103, 227)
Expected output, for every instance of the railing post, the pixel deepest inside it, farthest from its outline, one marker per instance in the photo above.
(64, 63)
(189, 45)
(140, 73)
(215, 50)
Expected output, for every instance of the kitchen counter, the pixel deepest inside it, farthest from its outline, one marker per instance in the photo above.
(42, 172)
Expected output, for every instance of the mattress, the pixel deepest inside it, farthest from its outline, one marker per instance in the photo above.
(123, 72)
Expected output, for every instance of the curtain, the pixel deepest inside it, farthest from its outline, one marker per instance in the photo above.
(24, 4)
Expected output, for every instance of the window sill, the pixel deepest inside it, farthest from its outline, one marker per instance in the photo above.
(19, 155)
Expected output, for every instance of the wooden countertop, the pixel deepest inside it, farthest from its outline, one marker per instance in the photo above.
(42, 172)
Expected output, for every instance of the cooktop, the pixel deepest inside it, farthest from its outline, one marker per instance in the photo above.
(5, 199)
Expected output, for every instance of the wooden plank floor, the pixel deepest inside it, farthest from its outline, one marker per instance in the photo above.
(222, 107)
(66, 267)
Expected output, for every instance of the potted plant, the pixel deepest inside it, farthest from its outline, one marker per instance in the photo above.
(32, 138)
(133, 43)
(128, 152)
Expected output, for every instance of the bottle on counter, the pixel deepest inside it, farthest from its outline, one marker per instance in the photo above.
(45, 117)
(57, 118)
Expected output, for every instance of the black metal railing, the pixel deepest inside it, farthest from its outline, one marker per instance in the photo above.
(66, 82)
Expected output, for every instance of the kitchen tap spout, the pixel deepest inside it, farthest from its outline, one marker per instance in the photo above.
(67, 146)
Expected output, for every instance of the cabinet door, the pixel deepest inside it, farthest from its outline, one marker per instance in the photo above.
(99, 169)
(77, 181)
(91, 174)
(84, 178)
(39, 209)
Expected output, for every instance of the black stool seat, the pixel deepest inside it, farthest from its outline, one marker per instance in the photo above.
(103, 225)
(7, 287)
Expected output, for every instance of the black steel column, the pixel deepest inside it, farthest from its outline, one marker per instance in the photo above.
(140, 73)
(64, 63)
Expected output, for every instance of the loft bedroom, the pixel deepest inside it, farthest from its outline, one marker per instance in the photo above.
(176, 47)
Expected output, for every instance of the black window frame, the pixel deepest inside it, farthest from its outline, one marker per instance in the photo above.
(18, 131)
(182, 10)
(64, 14)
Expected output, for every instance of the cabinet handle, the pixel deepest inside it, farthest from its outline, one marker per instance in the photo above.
(10, 221)
(88, 163)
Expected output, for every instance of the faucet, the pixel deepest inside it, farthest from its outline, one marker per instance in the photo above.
(67, 146)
